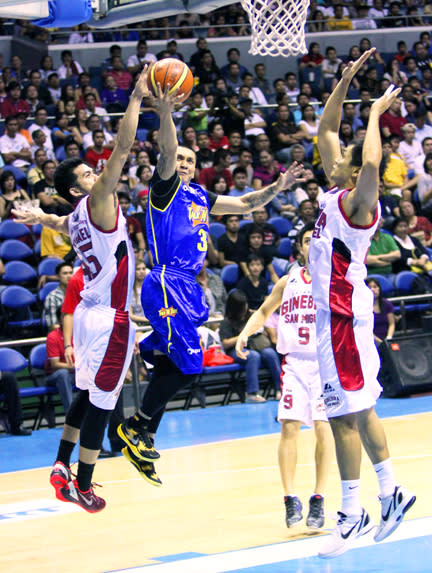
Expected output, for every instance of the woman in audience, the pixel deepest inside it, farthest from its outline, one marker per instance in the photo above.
(394, 74)
(384, 318)
(260, 351)
(136, 312)
(313, 58)
(424, 187)
(308, 124)
(219, 185)
(80, 122)
(267, 171)
(318, 22)
(418, 226)
(189, 138)
(10, 194)
(61, 131)
(414, 256)
(46, 67)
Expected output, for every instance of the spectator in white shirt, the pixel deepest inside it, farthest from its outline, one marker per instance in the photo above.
(40, 122)
(137, 61)
(255, 93)
(14, 147)
(69, 66)
(94, 122)
(81, 35)
(409, 148)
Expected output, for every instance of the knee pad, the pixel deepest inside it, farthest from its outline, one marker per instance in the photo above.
(93, 427)
(77, 409)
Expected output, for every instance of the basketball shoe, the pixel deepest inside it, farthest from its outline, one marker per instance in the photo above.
(138, 441)
(145, 469)
(347, 530)
(59, 478)
(293, 510)
(85, 499)
(393, 509)
(315, 518)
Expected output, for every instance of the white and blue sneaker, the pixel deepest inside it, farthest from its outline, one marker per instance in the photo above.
(347, 530)
(393, 509)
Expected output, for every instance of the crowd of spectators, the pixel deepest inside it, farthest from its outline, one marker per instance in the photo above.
(245, 131)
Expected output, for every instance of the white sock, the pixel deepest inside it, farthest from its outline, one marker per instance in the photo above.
(351, 497)
(386, 478)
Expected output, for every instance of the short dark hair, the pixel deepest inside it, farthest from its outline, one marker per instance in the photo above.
(65, 178)
(254, 257)
(45, 163)
(141, 169)
(254, 229)
(62, 265)
(238, 170)
(308, 227)
(124, 195)
(220, 154)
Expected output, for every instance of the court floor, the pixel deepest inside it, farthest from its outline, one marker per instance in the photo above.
(220, 507)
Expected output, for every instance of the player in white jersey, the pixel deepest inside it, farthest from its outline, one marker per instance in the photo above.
(302, 398)
(347, 356)
(103, 333)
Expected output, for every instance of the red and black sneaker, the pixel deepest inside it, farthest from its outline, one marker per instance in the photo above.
(85, 499)
(59, 478)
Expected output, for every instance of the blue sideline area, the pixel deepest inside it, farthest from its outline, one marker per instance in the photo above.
(185, 428)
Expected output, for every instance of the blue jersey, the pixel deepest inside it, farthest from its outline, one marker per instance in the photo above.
(172, 300)
(178, 235)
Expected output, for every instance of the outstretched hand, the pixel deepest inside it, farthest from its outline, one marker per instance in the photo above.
(385, 101)
(167, 100)
(353, 67)
(28, 215)
(291, 176)
(141, 89)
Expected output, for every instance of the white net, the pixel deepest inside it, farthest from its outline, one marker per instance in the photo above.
(278, 26)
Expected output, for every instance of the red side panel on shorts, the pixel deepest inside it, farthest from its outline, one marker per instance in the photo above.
(111, 368)
(345, 351)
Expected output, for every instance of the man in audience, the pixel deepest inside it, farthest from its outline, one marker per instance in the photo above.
(14, 148)
(13, 422)
(231, 245)
(44, 190)
(54, 300)
(383, 251)
(137, 61)
(98, 155)
(35, 173)
(240, 186)
(40, 122)
(221, 163)
(14, 103)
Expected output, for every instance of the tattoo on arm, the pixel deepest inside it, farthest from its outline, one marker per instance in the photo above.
(260, 198)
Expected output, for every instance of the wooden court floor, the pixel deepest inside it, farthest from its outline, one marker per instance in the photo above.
(215, 497)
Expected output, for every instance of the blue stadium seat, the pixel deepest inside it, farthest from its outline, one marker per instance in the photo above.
(37, 248)
(11, 230)
(216, 230)
(46, 289)
(38, 356)
(11, 360)
(17, 302)
(283, 226)
(387, 286)
(244, 222)
(19, 272)
(279, 266)
(48, 266)
(14, 250)
(37, 230)
(403, 282)
(230, 275)
(285, 248)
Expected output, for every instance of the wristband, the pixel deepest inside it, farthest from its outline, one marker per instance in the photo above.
(67, 346)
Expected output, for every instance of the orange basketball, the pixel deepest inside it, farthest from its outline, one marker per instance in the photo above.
(174, 73)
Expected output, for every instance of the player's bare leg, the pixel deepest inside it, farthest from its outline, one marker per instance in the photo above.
(287, 455)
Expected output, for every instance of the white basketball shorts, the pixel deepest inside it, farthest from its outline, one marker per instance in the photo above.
(302, 398)
(348, 363)
(104, 339)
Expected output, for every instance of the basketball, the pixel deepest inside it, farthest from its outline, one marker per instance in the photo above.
(174, 73)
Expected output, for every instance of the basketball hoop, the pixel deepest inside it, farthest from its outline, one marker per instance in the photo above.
(278, 26)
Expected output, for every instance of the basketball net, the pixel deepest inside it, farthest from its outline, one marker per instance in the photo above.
(278, 26)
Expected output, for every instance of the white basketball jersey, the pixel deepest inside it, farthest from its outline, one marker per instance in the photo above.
(337, 256)
(107, 258)
(296, 326)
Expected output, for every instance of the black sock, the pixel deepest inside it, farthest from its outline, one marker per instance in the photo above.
(84, 476)
(65, 451)
(138, 422)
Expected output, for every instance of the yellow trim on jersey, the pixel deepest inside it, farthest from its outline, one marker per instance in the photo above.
(154, 236)
(179, 81)
(175, 193)
(166, 304)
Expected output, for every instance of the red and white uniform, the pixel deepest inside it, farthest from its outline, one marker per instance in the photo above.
(347, 355)
(302, 398)
(104, 336)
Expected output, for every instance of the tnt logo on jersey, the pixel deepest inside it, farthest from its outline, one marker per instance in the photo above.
(165, 312)
(198, 215)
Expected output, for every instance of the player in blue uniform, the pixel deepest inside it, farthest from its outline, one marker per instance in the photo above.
(177, 233)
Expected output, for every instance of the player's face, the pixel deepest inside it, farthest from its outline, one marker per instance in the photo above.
(86, 178)
(185, 166)
(342, 171)
(304, 247)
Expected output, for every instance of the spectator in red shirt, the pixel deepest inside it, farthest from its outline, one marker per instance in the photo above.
(59, 372)
(218, 139)
(122, 77)
(391, 121)
(221, 163)
(98, 155)
(13, 104)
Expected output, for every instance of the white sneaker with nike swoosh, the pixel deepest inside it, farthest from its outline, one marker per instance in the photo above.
(393, 509)
(347, 530)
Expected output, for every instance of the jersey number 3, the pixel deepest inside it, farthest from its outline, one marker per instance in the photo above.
(203, 244)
